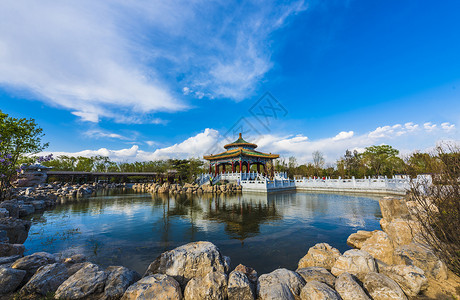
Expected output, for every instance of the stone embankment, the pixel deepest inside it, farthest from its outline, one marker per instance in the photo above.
(187, 188)
(389, 264)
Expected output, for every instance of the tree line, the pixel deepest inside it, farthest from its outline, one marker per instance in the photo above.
(381, 160)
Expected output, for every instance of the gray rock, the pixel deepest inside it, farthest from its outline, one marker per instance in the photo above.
(279, 284)
(188, 261)
(315, 290)
(382, 287)
(10, 279)
(26, 209)
(76, 258)
(88, 281)
(213, 286)
(4, 213)
(47, 279)
(317, 274)
(421, 256)
(239, 287)
(4, 237)
(39, 204)
(410, 278)
(349, 289)
(7, 261)
(31, 263)
(7, 249)
(356, 262)
(17, 230)
(157, 286)
(249, 272)
(12, 207)
(118, 280)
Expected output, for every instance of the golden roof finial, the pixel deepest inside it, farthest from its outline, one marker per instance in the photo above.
(240, 136)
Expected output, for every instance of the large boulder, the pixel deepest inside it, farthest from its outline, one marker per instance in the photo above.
(393, 208)
(26, 209)
(248, 271)
(401, 232)
(356, 262)
(320, 255)
(4, 213)
(17, 230)
(239, 287)
(423, 257)
(7, 249)
(280, 284)
(31, 263)
(188, 261)
(10, 279)
(349, 289)
(379, 245)
(382, 287)
(118, 280)
(12, 207)
(357, 239)
(317, 274)
(88, 281)
(157, 286)
(411, 279)
(46, 280)
(315, 290)
(213, 286)
(7, 261)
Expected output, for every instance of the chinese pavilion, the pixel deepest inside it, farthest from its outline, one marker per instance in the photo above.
(240, 156)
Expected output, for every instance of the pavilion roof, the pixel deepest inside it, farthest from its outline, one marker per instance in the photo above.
(240, 142)
(240, 152)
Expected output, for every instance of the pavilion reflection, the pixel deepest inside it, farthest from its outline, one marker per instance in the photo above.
(242, 216)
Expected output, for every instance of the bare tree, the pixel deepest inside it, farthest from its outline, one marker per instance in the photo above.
(318, 160)
(439, 207)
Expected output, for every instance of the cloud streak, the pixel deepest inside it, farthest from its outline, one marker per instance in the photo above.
(126, 60)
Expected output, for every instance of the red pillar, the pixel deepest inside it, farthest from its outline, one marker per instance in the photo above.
(223, 168)
(249, 167)
(210, 168)
(217, 169)
(258, 168)
(241, 166)
(233, 167)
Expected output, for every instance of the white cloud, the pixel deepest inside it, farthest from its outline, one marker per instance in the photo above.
(429, 126)
(343, 135)
(107, 58)
(405, 138)
(447, 126)
(96, 133)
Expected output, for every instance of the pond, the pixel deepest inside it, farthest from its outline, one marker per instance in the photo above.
(262, 231)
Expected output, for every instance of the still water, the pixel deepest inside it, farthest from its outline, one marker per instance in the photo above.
(262, 231)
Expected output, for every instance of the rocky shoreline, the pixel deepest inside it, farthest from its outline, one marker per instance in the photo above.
(392, 263)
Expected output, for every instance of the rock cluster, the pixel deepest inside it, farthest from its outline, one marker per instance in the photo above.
(156, 188)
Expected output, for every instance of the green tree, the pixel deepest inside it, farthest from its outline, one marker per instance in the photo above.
(19, 137)
(380, 158)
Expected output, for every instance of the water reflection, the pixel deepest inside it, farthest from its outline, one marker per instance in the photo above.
(263, 231)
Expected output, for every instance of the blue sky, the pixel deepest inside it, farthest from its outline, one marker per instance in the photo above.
(144, 80)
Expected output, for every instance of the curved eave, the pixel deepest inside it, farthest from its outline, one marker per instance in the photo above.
(238, 153)
(254, 146)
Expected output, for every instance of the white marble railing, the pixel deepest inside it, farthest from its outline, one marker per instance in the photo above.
(257, 182)
(367, 184)
(237, 176)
